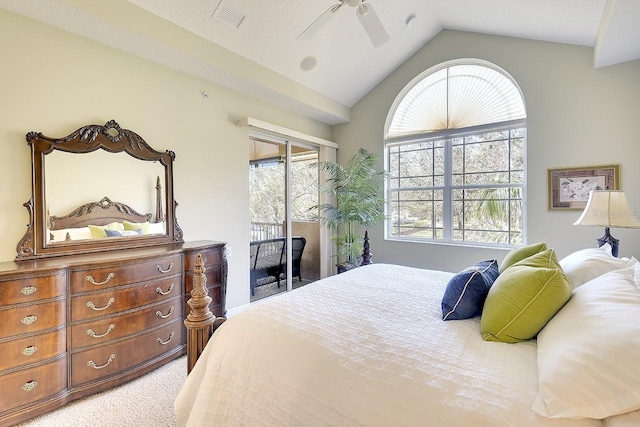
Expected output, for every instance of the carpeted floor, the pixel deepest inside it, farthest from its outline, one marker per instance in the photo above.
(273, 289)
(144, 402)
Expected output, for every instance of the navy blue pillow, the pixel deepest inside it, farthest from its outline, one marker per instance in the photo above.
(116, 233)
(467, 290)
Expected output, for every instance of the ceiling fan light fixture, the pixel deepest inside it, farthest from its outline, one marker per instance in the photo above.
(366, 14)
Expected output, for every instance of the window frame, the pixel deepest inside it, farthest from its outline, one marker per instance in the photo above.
(448, 188)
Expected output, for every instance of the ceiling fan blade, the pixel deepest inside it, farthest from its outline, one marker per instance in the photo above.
(372, 24)
(319, 23)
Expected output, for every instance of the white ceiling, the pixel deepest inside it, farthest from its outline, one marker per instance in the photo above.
(262, 56)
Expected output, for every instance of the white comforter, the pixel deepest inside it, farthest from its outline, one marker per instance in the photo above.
(364, 348)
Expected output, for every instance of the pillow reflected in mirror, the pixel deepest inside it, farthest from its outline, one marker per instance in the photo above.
(98, 231)
(79, 233)
(122, 233)
(142, 226)
(157, 228)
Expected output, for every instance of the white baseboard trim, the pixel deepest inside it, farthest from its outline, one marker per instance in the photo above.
(233, 311)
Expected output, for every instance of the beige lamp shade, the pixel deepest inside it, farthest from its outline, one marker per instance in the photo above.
(608, 208)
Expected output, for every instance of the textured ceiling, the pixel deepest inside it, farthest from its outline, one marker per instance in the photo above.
(261, 56)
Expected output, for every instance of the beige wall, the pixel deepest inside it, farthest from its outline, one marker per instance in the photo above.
(54, 82)
(577, 116)
(310, 263)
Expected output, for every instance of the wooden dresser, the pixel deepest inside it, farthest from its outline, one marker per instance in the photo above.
(75, 325)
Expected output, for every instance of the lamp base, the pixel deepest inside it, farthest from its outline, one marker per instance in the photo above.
(612, 241)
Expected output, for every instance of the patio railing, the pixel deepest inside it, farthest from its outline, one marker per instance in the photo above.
(266, 230)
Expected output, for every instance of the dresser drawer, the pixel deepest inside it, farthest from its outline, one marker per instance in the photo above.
(33, 288)
(29, 385)
(211, 257)
(32, 318)
(100, 362)
(23, 351)
(123, 274)
(213, 275)
(116, 300)
(110, 328)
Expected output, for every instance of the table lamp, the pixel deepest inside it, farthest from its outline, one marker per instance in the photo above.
(608, 208)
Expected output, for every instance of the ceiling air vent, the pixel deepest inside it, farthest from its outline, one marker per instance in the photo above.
(228, 15)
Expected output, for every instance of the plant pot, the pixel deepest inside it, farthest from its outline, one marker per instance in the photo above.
(345, 266)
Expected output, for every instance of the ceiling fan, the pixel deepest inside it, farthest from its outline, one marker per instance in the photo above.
(365, 13)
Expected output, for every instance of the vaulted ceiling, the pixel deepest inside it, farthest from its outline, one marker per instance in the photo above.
(252, 46)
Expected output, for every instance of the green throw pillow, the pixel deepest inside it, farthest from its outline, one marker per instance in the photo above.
(519, 254)
(524, 298)
(97, 231)
(143, 226)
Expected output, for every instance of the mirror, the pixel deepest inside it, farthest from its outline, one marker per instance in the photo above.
(123, 178)
(99, 188)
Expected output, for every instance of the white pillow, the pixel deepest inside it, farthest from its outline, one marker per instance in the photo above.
(156, 228)
(586, 264)
(80, 233)
(588, 353)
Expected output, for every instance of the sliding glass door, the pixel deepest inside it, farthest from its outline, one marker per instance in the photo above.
(283, 179)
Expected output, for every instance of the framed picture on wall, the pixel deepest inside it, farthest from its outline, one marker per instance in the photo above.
(569, 187)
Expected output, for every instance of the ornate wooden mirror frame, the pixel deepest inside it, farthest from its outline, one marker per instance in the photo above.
(112, 138)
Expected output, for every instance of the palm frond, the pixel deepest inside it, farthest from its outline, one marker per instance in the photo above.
(358, 191)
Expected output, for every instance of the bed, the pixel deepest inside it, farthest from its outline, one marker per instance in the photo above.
(369, 347)
(117, 219)
(87, 221)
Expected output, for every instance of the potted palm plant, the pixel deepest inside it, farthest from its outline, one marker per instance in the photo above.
(356, 203)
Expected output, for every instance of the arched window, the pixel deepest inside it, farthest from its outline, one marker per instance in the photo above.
(455, 144)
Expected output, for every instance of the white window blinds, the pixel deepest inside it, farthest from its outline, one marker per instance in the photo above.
(456, 97)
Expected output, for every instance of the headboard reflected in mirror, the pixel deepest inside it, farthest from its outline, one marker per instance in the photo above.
(97, 189)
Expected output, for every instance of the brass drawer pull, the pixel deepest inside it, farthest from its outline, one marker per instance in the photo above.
(165, 342)
(93, 281)
(27, 320)
(93, 365)
(29, 386)
(93, 307)
(164, 316)
(94, 335)
(29, 351)
(160, 270)
(28, 290)
(158, 290)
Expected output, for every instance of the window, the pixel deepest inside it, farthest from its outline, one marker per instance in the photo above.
(455, 155)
